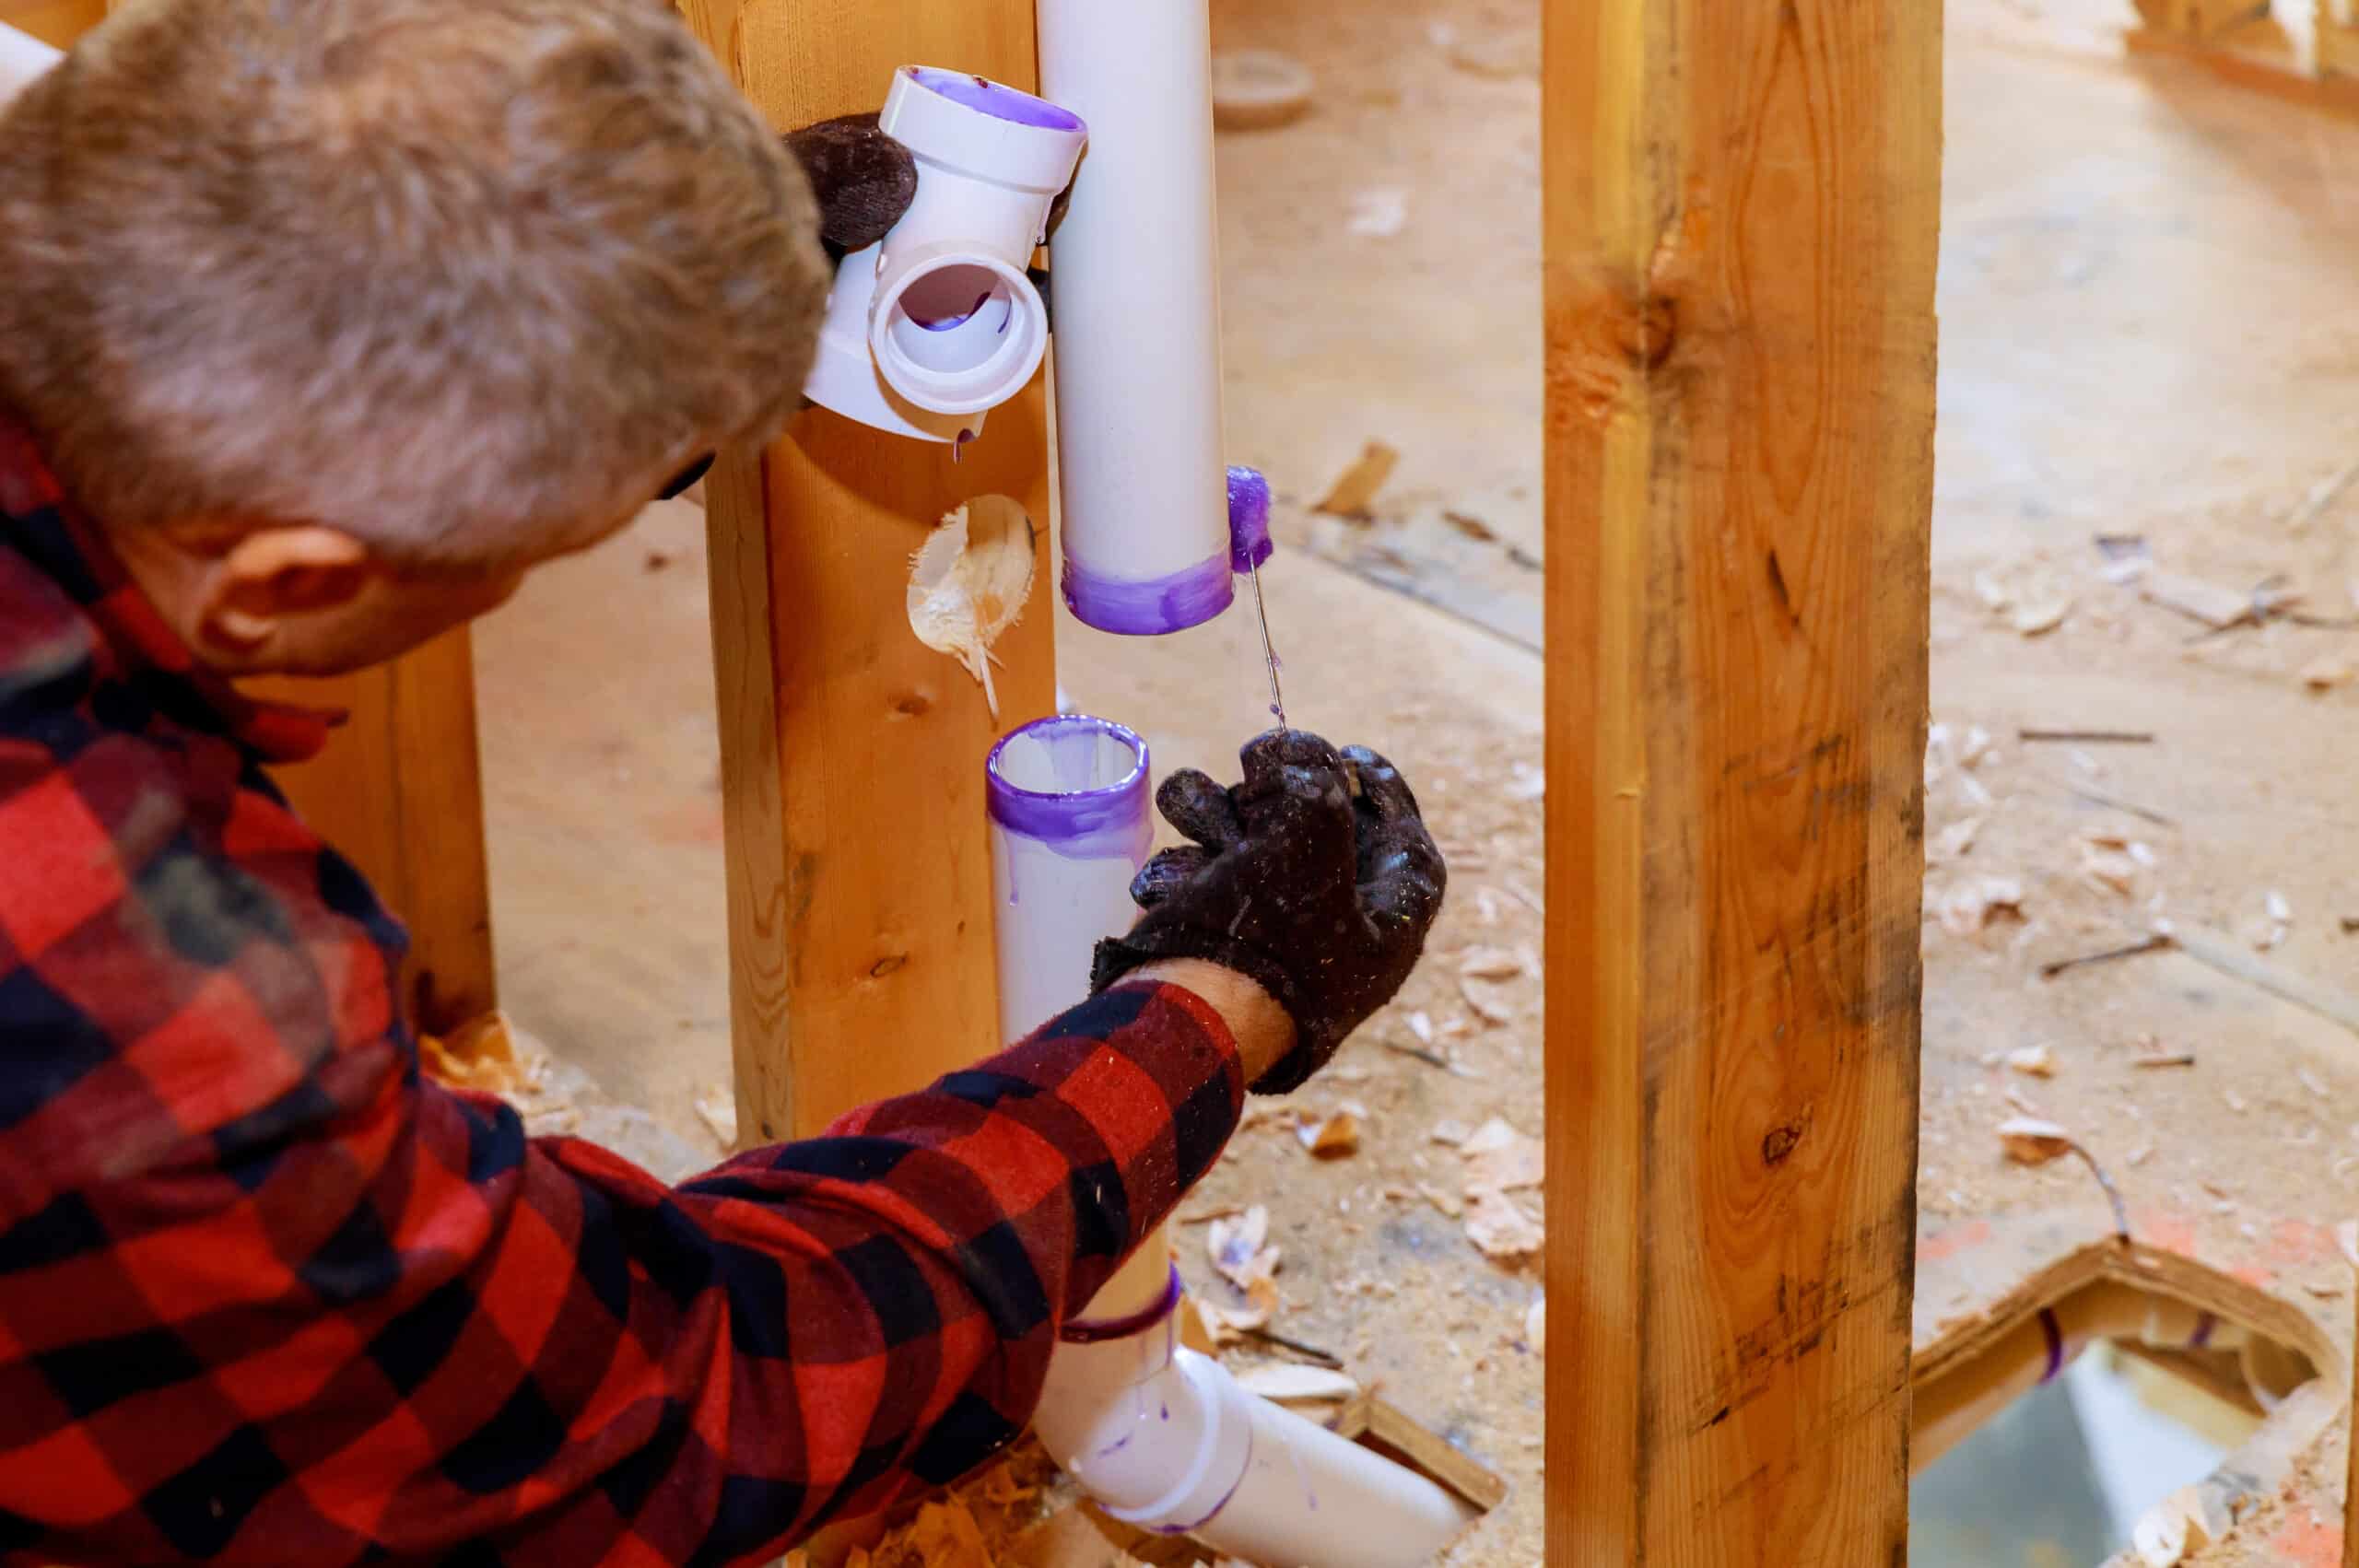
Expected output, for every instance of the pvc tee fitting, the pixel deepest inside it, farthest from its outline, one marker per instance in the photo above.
(939, 322)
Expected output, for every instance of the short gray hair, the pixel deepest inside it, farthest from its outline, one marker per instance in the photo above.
(465, 278)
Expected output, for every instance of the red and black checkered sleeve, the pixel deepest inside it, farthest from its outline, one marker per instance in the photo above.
(266, 1295)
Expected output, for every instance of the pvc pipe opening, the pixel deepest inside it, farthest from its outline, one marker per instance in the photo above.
(1000, 102)
(1075, 783)
(959, 333)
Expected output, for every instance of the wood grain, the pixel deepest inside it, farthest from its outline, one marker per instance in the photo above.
(399, 791)
(1742, 205)
(851, 756)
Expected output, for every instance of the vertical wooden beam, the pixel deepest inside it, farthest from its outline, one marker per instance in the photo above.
(399, 791)
(860, 916)
(1741, 203)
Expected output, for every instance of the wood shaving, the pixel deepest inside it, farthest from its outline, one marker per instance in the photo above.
(1242, 1250)
(1452, 1134)
(968, 583)
(1447, 1203)
(2033, 1060)
(1500, 1226)
(1500, 1159)
(1289, 1383)
(1487, 1000)
(1490, 964)
(2108, 871)
(2216, 606)
(1535, 1326)
(1332, 1137)
(1355, 489)
(1966, 906)
(2036, 617)
(716, 1106)
(2325, 675)
(1954, 841)
(2032, 1141)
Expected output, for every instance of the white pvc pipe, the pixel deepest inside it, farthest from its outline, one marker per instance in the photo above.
(938, 322)
(23, 60)
(1161, 1437)
(1134, 271)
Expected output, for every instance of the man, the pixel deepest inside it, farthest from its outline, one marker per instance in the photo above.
(319, 327)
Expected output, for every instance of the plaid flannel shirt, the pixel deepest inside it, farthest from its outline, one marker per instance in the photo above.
(267, 1297)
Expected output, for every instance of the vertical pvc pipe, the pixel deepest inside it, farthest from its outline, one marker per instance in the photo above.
(23, 60)
(1134, 287)
(1070, 802)
(1164, 1438)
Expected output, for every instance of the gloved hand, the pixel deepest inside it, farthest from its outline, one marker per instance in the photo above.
(865, 179)
(1315, 877)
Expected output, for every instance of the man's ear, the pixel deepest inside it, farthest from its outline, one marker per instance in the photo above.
(272, 576)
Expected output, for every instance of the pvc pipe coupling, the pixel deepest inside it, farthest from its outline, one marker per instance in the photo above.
(939, 322)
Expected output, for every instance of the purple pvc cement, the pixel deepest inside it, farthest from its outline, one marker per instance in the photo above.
(1085, 823)
(1153, 607)
(1249, 519)
(992, 99)
(1097, 1330)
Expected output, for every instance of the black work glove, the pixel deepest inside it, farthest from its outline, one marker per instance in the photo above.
(1315, 877)
(865, 179)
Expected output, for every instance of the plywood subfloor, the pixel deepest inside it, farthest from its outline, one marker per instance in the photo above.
(2151, 327)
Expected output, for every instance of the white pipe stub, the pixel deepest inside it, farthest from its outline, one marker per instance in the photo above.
(939, 322)
(24, 59)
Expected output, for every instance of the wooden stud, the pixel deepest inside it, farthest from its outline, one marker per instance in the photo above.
(1740, 211)
(860, 913)
(399, 791)
(55, 22)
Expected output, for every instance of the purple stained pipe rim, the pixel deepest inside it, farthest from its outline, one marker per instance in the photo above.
(1109, 814)
(1153, 607)
(999, 101)
(1099, 1330)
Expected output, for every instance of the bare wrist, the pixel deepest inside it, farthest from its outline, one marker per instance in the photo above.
(1264, 1031)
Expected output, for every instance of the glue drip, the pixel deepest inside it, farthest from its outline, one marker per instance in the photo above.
(1249, 546)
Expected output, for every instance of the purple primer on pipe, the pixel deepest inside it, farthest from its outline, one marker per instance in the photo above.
(1153, 607)
(1249, 519)
(2054, 1335)
(1084, 822)
(999, 101)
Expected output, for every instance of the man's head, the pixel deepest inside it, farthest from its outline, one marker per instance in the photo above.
(338, 315)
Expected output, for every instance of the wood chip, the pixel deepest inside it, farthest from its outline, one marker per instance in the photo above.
(1421, 1026)
(1500, 1159)
(1257, 89)
(2216, 606)
(1332, 1137)
(2325, 675)
(1487, 1000)
(1966, 906)
(1226, 1324)
(1490, 964)
(2109, 871)
(1240, 1248)
(1450, 1132)
(1500, 1226)
(2033, 1141)
(2033, 1060)
(1535, 1326)
(1289, 1383)
(1378, 213)
(1354, 491)
(1450, 1204)
(716, 1106)
(2037, 618)
(1953, 842)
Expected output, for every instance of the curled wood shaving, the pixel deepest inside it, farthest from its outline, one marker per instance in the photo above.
(1500, 1159)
